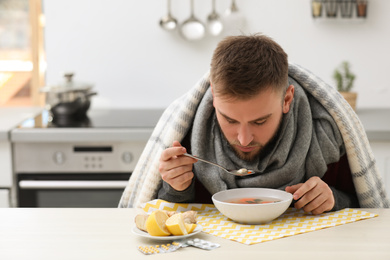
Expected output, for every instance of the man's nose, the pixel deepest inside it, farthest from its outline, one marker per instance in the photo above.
(245, 135)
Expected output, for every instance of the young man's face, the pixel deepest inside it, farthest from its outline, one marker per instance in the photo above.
(249, 125)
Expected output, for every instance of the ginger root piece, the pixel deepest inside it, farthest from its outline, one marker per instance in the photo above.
(170, 213)
(140, 221)
(189, 216)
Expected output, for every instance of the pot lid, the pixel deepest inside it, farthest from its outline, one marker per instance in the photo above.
(68, 85)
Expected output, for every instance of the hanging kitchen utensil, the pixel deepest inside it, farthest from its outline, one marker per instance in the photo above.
(214, 23)
(192, 29)
(234, 21)
(68, 99)
(168, 22)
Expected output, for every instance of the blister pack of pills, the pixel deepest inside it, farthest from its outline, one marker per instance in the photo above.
(171, 247)
(159, 249)
(199, 243)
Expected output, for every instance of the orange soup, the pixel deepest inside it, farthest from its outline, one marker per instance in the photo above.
(261, 200)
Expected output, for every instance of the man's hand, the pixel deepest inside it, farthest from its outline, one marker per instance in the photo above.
(176, 169)
(313, 196)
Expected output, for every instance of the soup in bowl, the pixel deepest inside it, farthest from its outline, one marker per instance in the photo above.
(252, 205)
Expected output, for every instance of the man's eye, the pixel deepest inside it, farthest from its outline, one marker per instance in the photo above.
(231, 121)
(260, 122)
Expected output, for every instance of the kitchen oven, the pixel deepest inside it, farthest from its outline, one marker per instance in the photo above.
(87, 164)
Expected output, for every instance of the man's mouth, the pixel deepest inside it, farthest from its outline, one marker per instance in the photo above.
(246, 149)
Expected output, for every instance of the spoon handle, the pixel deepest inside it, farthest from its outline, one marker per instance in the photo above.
(192, 8)
(200, 159)
(169, 6)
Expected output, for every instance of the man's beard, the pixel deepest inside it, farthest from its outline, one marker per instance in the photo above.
(262, 152)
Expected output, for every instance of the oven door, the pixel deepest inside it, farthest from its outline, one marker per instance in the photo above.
(97, 190)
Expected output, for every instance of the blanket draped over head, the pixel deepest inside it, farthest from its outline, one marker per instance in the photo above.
(176, 120)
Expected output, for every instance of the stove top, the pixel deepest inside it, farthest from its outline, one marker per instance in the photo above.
(100, 119)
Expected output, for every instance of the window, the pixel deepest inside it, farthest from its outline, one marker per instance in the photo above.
(22, 61)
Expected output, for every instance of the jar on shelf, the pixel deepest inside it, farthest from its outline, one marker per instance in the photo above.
(316, 8)
(361, 8)
(331, 7)
(346, 8)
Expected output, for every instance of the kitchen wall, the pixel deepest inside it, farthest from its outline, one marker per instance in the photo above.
(119, 46)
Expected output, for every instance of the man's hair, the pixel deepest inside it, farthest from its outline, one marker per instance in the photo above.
(243, 66)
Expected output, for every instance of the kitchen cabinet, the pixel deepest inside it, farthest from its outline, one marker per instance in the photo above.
(5, 173)
(5, 162)
(4, 198)
(9, 119)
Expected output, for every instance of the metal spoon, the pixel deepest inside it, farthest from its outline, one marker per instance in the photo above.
(240, 172)
(192, 29)
(168, 22)
(214, 23)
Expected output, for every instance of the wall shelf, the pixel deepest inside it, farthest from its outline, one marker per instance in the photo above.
(334, 9)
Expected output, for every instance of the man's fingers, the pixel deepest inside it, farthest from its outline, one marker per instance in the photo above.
(170, 174)
(309, 185)
(179, 182)
(310, 201)
(326, 206)
(319, 205)
(172, 152)
(293, 188)
(176, 169)
(314, 196)
(176, 144)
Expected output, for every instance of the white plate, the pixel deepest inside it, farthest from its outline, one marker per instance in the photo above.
(145, 234)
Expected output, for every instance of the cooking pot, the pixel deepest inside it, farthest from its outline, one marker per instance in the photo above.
(68, 99)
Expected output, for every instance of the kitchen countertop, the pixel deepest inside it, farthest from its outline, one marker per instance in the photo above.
(376, 122)
(10, 117)
(64, 233)
(107, 125)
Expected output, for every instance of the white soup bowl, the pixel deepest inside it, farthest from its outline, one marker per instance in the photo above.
(252, 213)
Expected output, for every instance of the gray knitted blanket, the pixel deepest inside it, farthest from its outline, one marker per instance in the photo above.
(176, 120)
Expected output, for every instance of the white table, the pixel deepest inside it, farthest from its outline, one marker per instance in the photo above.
(43, 233)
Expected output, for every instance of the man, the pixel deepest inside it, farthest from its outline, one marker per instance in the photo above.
(255, 110)
(253, 117)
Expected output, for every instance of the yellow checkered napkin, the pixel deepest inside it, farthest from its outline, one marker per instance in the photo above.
(292, 222)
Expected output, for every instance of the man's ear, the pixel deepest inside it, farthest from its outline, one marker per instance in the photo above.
(288, 98)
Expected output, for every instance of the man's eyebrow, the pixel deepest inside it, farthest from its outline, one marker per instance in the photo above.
(252, 121)
(261, 118)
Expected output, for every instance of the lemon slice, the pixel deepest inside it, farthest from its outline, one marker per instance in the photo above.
(190, 227)
(155, 224)
(176, 226)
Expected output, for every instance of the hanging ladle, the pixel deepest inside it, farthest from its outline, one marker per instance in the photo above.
(192, 29)
(234, 20)
(214, 23)
(168, 22)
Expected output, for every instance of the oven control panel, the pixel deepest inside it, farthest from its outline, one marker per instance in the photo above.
(81, 158)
